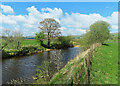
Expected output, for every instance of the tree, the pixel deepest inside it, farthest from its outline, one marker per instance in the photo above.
(99, 32)
(17, 37)
(6, 37)
(40, 37)
(65, 41)
(50, 27)
(11, 39)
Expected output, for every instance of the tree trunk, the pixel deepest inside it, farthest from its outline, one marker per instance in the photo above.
(18, 44)
(49, 43)
(48, 40)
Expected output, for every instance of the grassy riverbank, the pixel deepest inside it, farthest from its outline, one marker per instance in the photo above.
(104, 69)
(70, 73)
(29, 46)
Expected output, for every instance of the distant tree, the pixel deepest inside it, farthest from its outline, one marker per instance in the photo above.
(50, 27)
(11, 39)
(6, 37)
(18, 39)
(99, 32)
(40, 37)
(65, 41)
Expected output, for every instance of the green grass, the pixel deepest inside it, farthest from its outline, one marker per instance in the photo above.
(69, 74)
(30, 42)
(33, 42)
(104, 69)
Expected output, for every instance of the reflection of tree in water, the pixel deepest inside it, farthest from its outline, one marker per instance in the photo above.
(49, 66)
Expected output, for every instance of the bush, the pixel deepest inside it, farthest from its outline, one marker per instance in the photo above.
(4, 54)
(65, 41)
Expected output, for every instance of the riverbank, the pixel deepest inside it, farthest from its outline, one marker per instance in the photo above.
(71, 72)
(30, 47)
(28, 50)
(104, 69)
(24, 68)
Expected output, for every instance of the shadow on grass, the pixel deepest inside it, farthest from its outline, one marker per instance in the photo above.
(105, 44)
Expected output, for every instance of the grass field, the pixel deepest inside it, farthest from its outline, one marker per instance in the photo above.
(104, 69)
(32, 42)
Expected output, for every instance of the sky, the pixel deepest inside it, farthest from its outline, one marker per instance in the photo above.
(74, 17)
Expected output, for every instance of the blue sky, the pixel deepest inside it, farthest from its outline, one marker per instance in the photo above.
(103, 8)
(74, 17)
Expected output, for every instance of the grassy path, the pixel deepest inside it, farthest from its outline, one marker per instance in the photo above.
(104, 69)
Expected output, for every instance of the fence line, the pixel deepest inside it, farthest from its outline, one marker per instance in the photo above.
(87, 63)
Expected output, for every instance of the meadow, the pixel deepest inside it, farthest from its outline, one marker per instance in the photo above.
(104, 68)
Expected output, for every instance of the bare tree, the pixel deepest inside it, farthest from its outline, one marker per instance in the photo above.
(50, 27)
(17, 39)
(12, 39)
(6, 37)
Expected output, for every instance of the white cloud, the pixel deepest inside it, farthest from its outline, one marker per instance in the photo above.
(77, 20)
(54, 13)
(80, 22)
(81, 30)
(74, 23)
(1, 28)
(62, 28)
(7, 9)
(30, 21)
(114, 27)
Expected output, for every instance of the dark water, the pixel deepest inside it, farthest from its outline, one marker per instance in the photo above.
(25, 67)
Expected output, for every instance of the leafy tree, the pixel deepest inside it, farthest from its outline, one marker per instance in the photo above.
(65, 41)
(99, 32)
(40, 37)
(50, 27)
(85, 40)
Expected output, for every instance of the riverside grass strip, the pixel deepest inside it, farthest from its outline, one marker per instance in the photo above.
(104, 69)
(76, 70)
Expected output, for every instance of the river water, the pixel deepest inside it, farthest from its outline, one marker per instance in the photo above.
(24, 68)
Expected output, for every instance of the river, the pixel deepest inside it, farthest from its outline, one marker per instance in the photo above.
(24, 68)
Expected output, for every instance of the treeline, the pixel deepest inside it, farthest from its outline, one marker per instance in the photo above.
(12, 45)
(12, 40)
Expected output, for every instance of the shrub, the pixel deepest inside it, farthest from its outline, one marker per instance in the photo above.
(65, 41)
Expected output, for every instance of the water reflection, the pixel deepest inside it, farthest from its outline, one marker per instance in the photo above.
(46, 62)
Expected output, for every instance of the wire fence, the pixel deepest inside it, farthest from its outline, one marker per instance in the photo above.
(84, 74)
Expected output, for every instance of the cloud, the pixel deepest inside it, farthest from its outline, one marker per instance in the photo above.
(32, 19)
(81, 30)
(62, 28)
(7, 9)
(80, 22)
(115, 26)
(75, 23)
(54, 13)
